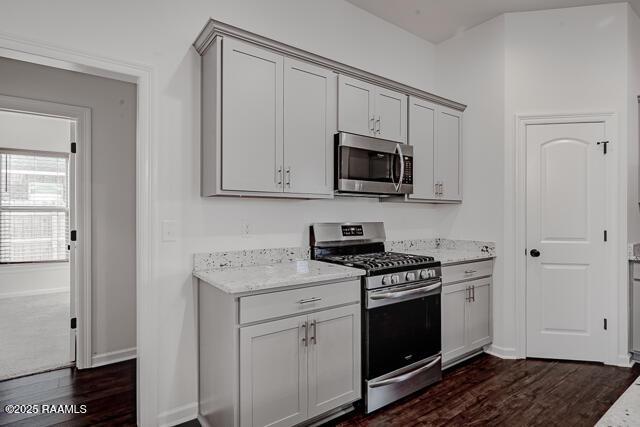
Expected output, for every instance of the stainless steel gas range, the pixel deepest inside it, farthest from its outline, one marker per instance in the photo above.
(400, 309)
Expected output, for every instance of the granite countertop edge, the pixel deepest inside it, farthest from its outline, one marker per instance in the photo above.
(248, 280)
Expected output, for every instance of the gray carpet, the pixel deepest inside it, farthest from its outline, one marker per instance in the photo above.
(34, 334)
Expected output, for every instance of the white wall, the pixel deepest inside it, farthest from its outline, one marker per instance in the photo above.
(33, 279)
(160, 34)
(471, 68)
(113, 109)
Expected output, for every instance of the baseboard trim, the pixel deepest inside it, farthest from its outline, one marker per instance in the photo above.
(178, 415)
(625, 361)
(34, 292)
(113, 357)
(501, 352)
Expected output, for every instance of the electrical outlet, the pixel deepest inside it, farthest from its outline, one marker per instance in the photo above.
(169, 230)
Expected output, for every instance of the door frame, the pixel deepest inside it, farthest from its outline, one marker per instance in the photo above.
(81, 267)
(147, 336)
(612, 224)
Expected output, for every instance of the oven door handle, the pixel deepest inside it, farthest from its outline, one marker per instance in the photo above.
(400, 294)
(407, 376)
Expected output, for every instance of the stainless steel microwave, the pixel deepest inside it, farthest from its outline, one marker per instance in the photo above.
(372, 166)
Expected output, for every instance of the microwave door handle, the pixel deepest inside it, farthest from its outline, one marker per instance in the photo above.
(399, 151)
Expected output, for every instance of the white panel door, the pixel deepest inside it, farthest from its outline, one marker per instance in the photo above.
(479, 318)
(454, 321)
(565, 223)
(355, 106)
(334, 358)
(309, 126)
(449, 153)
(391, 115)
(252, 120)
(273, 373)
(422, 134)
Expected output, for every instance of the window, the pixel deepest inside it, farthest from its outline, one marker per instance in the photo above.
(34, 206)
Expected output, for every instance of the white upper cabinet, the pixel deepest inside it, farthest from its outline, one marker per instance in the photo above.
(435, 132)
(370, 110)
(391, 115)
(355, 106)
(252, 127)
(449, 153)
(422, 136)
(309, 126)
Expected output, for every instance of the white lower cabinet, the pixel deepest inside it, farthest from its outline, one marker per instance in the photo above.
(273, 373)
(298, 368)
(466, 316)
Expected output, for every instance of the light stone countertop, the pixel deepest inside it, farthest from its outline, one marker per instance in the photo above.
(452, 256)
(253, 279)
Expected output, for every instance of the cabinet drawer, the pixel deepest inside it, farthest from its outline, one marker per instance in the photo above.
(285, 303)
(466, 271)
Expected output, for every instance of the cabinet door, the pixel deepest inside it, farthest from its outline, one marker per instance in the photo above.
(454, 321)
(391, 115)
(309, 125)
(273, 373)
(334, 358)
(422, 135)
(355, 106)
(449, 153)
(479, 321)
(252, 120)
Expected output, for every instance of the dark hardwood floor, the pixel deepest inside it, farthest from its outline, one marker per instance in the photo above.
(491, 391)
(483, 391)
(109, 393)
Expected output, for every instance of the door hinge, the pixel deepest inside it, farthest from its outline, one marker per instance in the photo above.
(73, 147)
(73, 323)
(605, 324)
(73, 235)
(605, 235)
(604, 145)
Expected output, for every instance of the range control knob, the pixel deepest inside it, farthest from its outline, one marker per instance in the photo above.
(424, 274)
(432, 273)
(386, 280)
(395, 279)
(411, 276)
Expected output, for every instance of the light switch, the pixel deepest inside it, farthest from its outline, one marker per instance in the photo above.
(169, 230)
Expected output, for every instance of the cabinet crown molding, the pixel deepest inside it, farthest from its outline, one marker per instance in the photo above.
(215, 29)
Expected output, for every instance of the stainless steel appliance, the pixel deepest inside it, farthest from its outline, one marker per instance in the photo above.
(400, 309)
(373, 166)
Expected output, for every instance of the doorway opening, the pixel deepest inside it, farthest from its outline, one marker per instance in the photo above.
(38, 260)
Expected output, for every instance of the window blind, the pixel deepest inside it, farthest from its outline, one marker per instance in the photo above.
(34, 206)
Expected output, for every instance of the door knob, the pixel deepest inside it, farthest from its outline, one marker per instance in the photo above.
(534, 253)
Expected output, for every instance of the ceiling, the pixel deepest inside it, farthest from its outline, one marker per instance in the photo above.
(438, 20)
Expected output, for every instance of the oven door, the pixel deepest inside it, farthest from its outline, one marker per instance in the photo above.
(370, 165)
(402, 327)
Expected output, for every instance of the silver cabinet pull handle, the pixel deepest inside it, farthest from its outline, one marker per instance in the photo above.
(288, 172)
(308, 300)
(473, 293)
(279, 176)
(379, 124)
(469, 271)
(468, 296)
(305, 339)
(373, 126)
(406, 376)
(314, 338)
